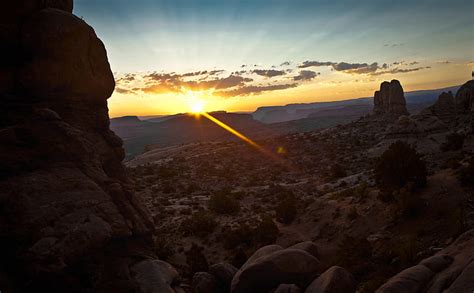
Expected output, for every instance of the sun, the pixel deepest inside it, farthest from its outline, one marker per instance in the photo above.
(197, 106)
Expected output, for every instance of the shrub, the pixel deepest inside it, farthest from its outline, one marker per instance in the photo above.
(286, 210)
(222, 203)
(466, 174)
(196, 260)
(337, 171)
(199, 224)
(454, 141)
(409, 203)
(266, 232)
(399, 165)
(239, 258)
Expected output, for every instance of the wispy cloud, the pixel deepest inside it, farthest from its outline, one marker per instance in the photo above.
(254, 90)
(269, 73)
(305, 75)
(352, 68)
(399, 70)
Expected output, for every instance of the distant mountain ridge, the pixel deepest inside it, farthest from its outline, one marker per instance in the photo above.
(416, 101)
(163, 131)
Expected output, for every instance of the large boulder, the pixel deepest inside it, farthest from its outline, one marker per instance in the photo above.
(287, 266)
(224, 273)
(205, 283)
(154, 276)
(450, 270)
(334, 280)
(411, 280)
(308, 246)
(287, 288)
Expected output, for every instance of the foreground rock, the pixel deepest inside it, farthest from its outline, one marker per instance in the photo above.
(224, 274)
(334, 280)
(204, 282)
(451, 270)
(69, 218)
(287, 266)
(154, 276)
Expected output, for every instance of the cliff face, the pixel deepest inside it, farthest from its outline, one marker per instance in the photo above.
(66, 208)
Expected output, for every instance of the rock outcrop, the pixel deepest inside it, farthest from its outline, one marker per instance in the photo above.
(335, 279)
(465, 98)
(445, 107)
(69, 220)
(390, 100)
(450, 270)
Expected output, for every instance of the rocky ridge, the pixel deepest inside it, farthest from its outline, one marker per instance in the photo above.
(69, 219)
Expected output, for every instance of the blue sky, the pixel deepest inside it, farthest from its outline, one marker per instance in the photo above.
(189, 35)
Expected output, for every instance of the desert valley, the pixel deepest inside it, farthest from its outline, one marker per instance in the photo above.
(369, 194)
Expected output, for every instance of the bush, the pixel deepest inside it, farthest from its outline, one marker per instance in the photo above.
(222, 203)
(286, 210)
(454, 141)
(409, 203)
(337, 171)
(199, 224)
(266, 232)
(196, 260)
(399, 165)
(466, 174)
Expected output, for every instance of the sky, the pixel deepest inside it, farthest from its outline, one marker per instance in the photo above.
(239, 55)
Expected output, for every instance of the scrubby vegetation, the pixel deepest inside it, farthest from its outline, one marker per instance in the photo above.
(398, 167)
(224, 203)
(286, 210)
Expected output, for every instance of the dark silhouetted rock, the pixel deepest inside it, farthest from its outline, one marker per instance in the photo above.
(307, 246)
(224, 273)
(287, 288)
(262, 251)
(411, 280)
(205, 283)
(445, 105)
(390, 100)
(451, 270)
(334, 280)
(69, 216)
(465, 98)
(154, 276)
(287, 266)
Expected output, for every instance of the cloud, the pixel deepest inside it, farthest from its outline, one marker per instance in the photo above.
(269, 73)
(161, 83)
(307, 64)
(352, 68)
(399, 70)
(443, 62)
(306, 75)
(123, 91)
(286, 63)
(394, 45)
(254, 90)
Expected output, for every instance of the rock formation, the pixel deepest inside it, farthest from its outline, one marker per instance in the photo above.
(445, 107)
(451, 270)
(69, 220)
(390, 100)
(465, 98)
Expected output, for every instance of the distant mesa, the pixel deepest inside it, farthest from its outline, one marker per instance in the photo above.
(390, 100)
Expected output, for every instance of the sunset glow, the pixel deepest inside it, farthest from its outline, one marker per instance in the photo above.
(263, 53)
